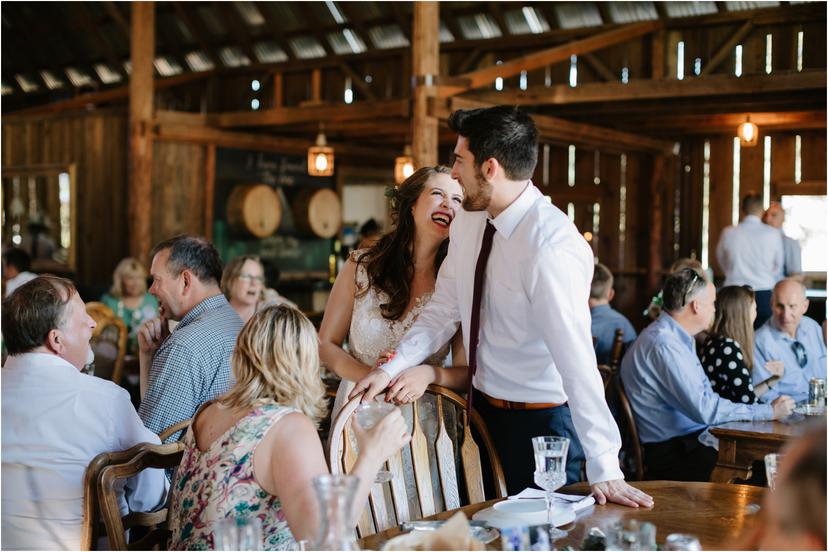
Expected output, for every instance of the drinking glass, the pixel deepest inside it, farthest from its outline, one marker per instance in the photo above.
(631, 535)
(771, 468)
(681, 541)
(238, 534)
(550, 471)
(368, 415)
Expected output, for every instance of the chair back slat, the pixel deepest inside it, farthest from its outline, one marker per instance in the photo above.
(472, 470)
(379, 508)
(629, 420)
(445, 461)
(365, 524)
(421, 462)
(606, 375)
(152, 456)
(399, 494)
(617, 350)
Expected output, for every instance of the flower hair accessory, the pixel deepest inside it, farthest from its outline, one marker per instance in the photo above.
(393, 195)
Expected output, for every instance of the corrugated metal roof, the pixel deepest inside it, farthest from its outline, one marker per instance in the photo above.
(106, 74)
(577, 15)
(51, 80)
(269, 52)
(6, 89)
(525, 21)
(284, 14)
(167, 67)
(631, 12)
(387, 37)
(307, 47)
(198, 61)
(27, 84)
(250, 13)
(445, 34)
(346, 41)
(211, 20)
(232, 56)
(77, 77)
(689, 9)
(740, 6)
(480, 25)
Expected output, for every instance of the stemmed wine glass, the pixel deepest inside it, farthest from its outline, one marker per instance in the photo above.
(368, 415)
(550, 472)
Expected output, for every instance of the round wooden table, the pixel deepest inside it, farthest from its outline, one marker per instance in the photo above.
(716, 513)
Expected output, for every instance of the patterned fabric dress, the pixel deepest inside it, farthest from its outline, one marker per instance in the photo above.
(370, 334)
(218, 483)
(725, 367)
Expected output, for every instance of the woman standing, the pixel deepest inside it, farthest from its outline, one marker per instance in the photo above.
(727, 353)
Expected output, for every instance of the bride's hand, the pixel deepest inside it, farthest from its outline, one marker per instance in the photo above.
(410, 384)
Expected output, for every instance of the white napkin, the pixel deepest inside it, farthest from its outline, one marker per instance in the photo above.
(578, 502)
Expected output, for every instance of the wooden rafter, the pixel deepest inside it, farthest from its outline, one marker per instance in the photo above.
(231, 17)
(196, 28)
(93, 28)
(726, 49)
(402, 19)
(447, 16)
(275, 31)
(713, 85)
(555, 129)
(482, 77)
(116, 16)
(497, 13)
(357, 24)
(727, 122)
(602, 70)
(294, 115)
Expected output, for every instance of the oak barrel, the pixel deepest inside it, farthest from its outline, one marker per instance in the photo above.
(317, 212)
(254, 209)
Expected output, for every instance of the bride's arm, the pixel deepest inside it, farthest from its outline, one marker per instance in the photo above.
(335, 325)
(410, 384)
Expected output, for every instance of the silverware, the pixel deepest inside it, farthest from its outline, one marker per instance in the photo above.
(433, 525)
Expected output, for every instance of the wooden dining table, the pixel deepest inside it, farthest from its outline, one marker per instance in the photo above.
(716, 513)
(742, 443)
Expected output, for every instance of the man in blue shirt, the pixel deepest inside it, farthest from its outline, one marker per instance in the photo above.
(793, 338)
(605, 319)
(671, 397)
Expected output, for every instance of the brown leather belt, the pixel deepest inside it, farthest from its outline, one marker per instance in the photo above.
(511, 405)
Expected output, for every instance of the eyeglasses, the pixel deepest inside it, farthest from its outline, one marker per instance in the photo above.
(689, 290)
(801, 355)
(251, 278)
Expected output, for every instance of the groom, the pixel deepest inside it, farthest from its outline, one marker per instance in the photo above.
(517, 277)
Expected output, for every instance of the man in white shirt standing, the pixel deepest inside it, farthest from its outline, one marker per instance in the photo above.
(752, 254)
(55, 420)
(517, 277)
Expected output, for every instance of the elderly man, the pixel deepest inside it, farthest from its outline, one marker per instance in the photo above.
(775, 217)
(752, 254)
(56, 420)
(671, 397)
(182, 370)
(794, 339)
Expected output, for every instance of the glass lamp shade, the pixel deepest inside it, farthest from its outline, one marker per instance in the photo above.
(403, 168)
(320, 158)
(748, 134)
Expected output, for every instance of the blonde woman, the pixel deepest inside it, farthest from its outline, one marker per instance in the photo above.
(727, 353)
(254, 451)
(243, 284)
(129, 300)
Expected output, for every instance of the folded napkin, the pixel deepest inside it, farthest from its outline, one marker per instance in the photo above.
(578, 502)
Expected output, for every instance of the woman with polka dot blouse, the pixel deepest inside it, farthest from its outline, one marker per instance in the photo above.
(727, 353)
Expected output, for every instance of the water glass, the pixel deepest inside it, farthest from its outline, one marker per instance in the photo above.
(550, 470)
(631, 535)
(681, 541)
(772, 467)
(238, 534)
(368, 415)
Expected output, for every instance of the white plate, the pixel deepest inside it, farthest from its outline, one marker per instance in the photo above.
(810, 410)
(516, 513)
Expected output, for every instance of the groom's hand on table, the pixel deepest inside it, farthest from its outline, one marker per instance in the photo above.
(620, 492)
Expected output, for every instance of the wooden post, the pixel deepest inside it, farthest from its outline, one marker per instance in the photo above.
(425, 54)
(654, 269)
(277, 90)
(142, 55)
(316, 86)
(657, 57)
(209, 189)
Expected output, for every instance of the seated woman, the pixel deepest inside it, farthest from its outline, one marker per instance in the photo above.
(727, 353)
(243, 284)
(255, 450)
(129, 300)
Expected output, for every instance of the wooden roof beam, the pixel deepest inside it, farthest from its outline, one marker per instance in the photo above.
(196, 28)
(599, 67)
(640, 89)
(726, 49)
(564, 131)
(293, 115)
(238, 27)
(275, 32)
(482, 77)
(403, 19)
(728, 122)
(356, 23)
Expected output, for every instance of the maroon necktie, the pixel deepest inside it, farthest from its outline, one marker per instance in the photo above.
(477, 297)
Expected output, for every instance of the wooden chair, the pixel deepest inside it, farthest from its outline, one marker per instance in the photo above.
(152, 456)
(175, 428)
(617, 350)
(631, 445)
(342, 456)
(606, 375)
(109, 341)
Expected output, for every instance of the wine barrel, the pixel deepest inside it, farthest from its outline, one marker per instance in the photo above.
(254, 209)
(317, 212)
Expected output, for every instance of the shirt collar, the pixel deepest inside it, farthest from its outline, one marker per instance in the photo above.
(41, 362)
(506, 222)
(207, 304)
(600, 308)
(752, 219)
(781, 334)
(666, 320)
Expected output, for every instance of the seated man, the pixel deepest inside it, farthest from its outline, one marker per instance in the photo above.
(672, 399)
(182, 370)
(791, 337)
(605, 319)
(56, 420)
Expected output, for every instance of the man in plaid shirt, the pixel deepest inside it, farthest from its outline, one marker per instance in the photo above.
(183, 369)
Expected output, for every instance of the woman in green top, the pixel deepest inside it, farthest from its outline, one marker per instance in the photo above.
(129, 299)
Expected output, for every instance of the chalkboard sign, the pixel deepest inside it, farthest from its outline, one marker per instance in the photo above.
(292, 252)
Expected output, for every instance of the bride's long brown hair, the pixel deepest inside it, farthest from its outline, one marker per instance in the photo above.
(389, 263)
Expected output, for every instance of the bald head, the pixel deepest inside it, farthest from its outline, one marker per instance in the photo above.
(789, 305)
(775, 215)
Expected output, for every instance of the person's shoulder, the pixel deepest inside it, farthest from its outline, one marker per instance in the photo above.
(810, 324)
(103, 389)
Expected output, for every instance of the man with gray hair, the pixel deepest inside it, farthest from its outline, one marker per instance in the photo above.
(182, 370)
(775, 217)
(793, 338)
(671, 397)
(56, 420)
